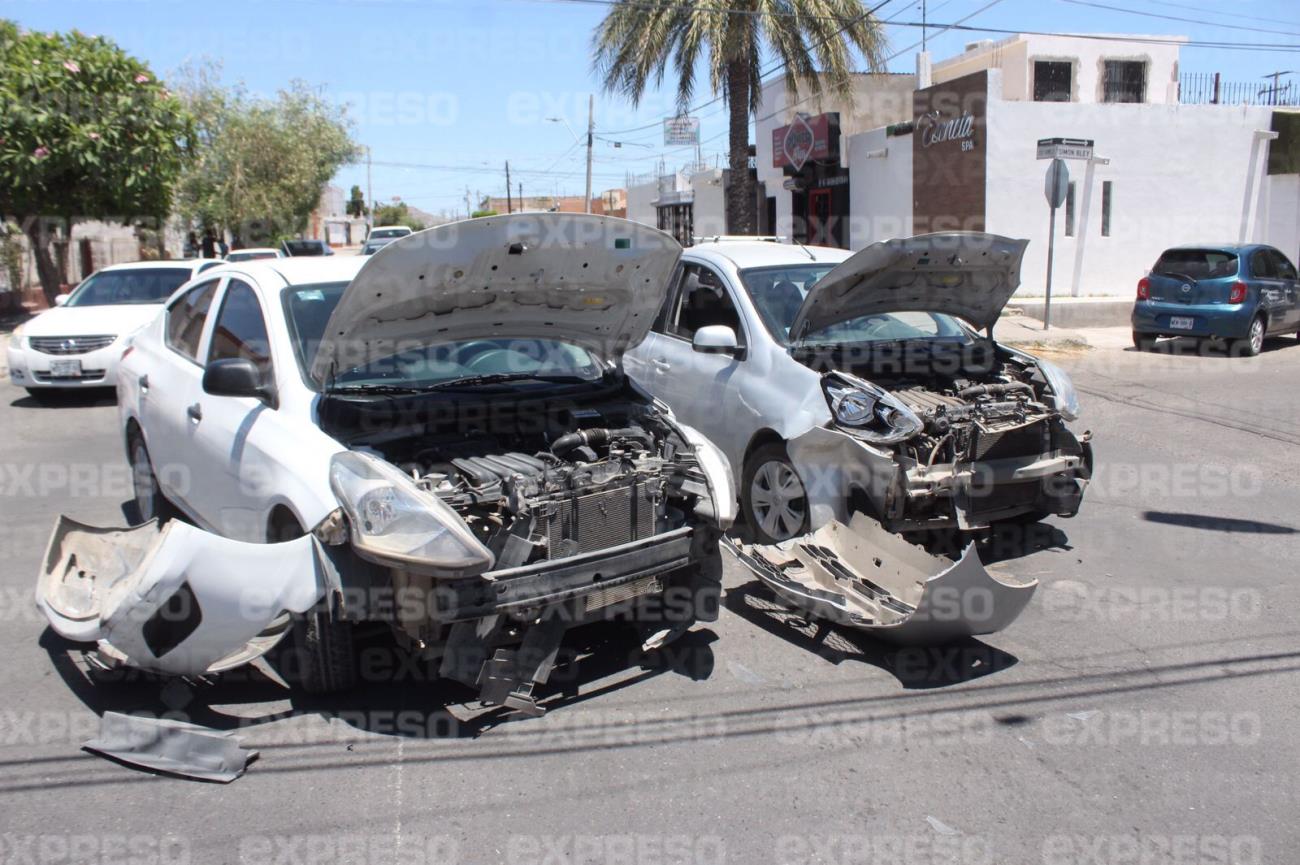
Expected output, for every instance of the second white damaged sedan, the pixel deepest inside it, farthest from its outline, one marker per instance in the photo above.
(859, 395)
(440, 437)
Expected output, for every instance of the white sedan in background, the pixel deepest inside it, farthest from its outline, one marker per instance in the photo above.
(78, 343)
(253, 253)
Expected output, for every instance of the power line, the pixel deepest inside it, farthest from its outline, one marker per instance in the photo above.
(1127, 11)
(1233, 14)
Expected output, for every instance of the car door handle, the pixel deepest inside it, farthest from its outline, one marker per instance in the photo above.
(144, 384)
(661, 364)
(195, 412)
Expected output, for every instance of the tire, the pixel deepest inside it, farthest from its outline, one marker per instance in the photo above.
(773, 497)
(149, 501)
(324, 660)
(1253, 343)
(1144, 341)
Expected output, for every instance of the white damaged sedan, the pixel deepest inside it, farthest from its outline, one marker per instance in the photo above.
(439, 437)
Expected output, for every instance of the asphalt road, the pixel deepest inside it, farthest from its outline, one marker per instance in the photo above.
(1143, 709)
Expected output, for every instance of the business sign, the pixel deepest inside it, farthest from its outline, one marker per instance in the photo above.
(950, 155)
(1065, 148)
(815, 139)
(681, 131)
(933, 128)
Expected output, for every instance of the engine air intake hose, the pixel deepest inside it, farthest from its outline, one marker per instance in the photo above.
(596, 437)
(994, 389)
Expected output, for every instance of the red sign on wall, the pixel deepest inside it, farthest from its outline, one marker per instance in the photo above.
(807, 138)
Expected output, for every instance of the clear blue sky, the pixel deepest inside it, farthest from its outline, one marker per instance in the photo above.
(466, 84)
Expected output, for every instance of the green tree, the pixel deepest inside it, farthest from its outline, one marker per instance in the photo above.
(260, 164)
(86, 132)
(397, 214)
(637, 41)
(357, 203)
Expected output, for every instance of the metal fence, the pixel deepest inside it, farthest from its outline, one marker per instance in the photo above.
(1210, 89)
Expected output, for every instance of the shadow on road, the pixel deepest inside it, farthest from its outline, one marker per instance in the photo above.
(1217, 524)
(55, 398)
(915, 667)
(1187, 346)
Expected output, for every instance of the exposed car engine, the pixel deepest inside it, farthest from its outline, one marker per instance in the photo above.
(589, 479)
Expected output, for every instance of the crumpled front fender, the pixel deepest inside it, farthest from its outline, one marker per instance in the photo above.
(862, 576)
(174, 598)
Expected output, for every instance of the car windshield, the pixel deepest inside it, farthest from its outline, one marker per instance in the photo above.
(146, 285)
(1197, 263)
(308, 309)
(779, 292)
(304, 247)
(387, 232)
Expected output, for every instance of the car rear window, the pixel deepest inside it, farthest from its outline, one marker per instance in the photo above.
(304, 247)
(146, 285)
(1197, 263)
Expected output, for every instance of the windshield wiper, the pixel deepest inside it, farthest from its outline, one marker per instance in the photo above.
(502, 377)
(376, 389)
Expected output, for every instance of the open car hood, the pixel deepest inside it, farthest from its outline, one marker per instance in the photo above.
(966, 274)
(595, 281)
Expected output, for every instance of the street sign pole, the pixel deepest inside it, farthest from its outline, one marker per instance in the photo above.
(1055, 188)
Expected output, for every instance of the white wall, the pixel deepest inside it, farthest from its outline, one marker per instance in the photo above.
(1279, 216)
(710, 213)
(640, 203)
(1181, 174)
(880, 191)
(1016, 55)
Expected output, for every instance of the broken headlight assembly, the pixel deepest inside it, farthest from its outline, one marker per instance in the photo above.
(392, 521)
(868, 411)
(1065, 397)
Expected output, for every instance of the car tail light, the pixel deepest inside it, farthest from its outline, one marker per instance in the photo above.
(1144, 289)
(1237, 294)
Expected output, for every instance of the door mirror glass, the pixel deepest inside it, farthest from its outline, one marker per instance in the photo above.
(236, 377)
(716, 339)
(60, 299)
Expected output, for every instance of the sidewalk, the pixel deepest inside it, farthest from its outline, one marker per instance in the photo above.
(1027, 333)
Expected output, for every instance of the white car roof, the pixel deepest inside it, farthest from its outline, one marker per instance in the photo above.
(191, 263)
(303, 270)
(248, 249)
(757, 253)
(391, 227)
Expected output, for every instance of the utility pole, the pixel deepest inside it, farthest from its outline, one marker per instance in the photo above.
(509, 205)
(521, 195)
(469, 210)
(924, 10)
(370, 196)
(1277, 88)
(591, 135)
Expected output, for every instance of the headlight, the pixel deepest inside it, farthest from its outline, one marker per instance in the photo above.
(717, 472)
(869, 411)
(395, 522)
(16, 337)
(1063, 392)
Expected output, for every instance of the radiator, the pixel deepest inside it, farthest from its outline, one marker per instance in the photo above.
(600, 520)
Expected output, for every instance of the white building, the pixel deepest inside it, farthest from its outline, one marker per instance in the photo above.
(962, 154)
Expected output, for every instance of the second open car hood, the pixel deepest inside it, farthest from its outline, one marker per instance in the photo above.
(595, 281)
(961, 273)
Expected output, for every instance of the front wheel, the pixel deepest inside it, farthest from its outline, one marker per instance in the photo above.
(773, 498)
(149, 501)
(1253, 344)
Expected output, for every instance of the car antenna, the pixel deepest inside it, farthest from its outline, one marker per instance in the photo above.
(807, 252)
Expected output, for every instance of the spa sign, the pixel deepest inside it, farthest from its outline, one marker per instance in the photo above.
(934, 129)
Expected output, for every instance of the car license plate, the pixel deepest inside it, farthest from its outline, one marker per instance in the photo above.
(1181, 322)
(65, 369)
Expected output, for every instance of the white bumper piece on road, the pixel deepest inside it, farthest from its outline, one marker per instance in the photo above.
(174, 598)
(862, 576)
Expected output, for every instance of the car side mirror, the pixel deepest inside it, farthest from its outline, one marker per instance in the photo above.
(716, 339)
(61, 299)
(237, 376)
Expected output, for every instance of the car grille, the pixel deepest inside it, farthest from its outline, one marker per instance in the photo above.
(601, 520)
(65, 345)
(86, 375)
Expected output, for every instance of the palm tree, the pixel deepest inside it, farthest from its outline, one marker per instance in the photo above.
(639, 38)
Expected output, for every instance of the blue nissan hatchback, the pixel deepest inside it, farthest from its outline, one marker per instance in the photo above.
(1238, 292)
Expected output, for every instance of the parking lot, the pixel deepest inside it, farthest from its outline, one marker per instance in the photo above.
(1141, 710)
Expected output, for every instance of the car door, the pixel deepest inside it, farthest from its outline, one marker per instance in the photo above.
(170, 395)
(234, 436)
(1272, 290)
(699, 386)
(1286, 275)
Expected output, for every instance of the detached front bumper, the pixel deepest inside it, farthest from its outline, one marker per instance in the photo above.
(34, 369)
(862, 576)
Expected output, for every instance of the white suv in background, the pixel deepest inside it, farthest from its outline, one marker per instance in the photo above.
(79, 342)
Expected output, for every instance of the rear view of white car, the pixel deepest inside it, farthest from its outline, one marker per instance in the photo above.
(78, 343)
